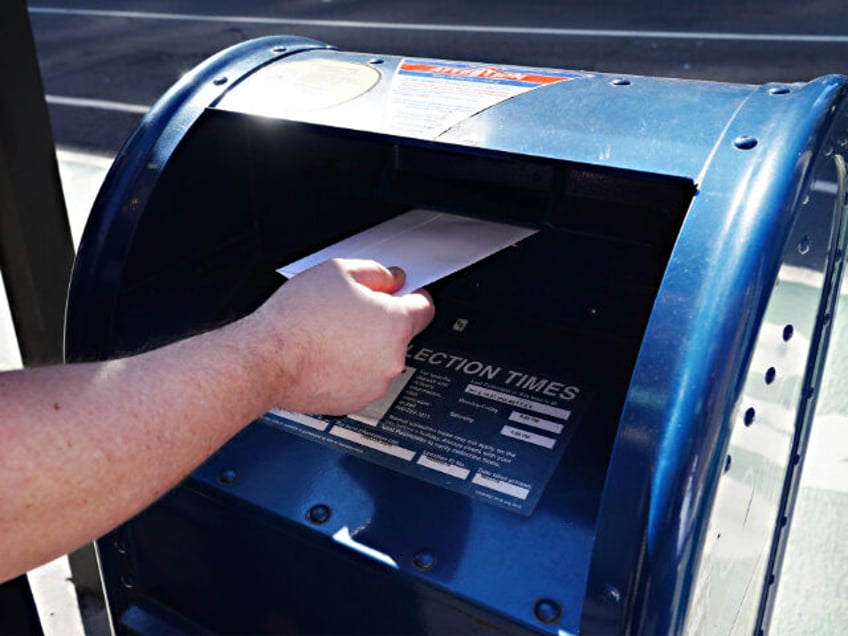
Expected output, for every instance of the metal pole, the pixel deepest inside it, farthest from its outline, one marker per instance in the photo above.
(36, 250)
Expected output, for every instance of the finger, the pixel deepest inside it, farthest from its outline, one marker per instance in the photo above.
(374, 276)
(399, 274)
(420, 308)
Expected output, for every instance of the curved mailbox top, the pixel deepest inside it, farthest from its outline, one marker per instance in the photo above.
(664, 126)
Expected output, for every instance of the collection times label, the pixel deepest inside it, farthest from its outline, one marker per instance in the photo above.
(491, 431)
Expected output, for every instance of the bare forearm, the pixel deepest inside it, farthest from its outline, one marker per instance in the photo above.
(85, 446)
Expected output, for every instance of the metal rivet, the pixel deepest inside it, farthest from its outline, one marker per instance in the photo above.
(227, 476)
(788, 331)
(620, 82)
(424, 560)
(744, 142)
(611, 594)
(547, 610)
(804, 245)
(120, 546)
(749, 416)
(279, 49)
(727, 463)
(779, 90)
(771, 373)
(219, 80)
(127, 581)
(319, 514)
(375, 60)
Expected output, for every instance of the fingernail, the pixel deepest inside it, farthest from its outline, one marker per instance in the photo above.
(397, 272)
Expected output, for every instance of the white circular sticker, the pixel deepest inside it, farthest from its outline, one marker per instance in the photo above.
(301, 86)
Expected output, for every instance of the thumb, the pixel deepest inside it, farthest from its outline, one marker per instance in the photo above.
(419, 308)
(376, 277)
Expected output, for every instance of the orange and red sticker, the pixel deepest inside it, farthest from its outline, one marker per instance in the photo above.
(489, 74)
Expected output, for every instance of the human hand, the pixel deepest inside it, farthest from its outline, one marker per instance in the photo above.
(338, 336)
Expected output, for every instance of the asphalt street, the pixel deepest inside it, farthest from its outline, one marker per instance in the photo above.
(128, 53)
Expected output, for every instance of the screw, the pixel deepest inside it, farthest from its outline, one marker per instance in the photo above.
(744, 142)
(319, 514)
(219, 80)
(779, 90)
(749, 416)
(788, 331)
(375, 60)
(620, 82)
(120, 546)
(127, 581)
(547, 611)
(279, 49)
(611, 594)
(424, 560)
(227, 476)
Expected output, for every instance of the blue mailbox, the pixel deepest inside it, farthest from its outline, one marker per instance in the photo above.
(603, 428)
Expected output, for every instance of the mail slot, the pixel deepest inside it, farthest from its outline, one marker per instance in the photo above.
(602, 429)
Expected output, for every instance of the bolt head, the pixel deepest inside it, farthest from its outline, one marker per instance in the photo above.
(611, 594)
(745, 142)
(547, 611)
(227, 476)
(319, 514)
(424, 560)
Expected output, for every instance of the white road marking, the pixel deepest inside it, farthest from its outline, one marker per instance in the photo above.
(463, 28)
(102, 104)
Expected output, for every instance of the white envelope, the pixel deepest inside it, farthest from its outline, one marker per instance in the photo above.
(428, 245)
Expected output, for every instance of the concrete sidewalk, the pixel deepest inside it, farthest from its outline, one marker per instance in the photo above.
(811, 598)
